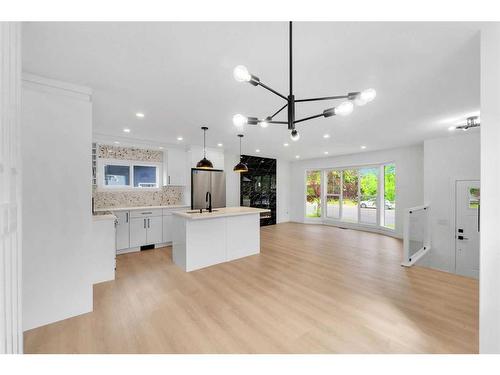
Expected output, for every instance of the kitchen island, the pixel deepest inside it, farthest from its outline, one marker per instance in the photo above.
(204, 239)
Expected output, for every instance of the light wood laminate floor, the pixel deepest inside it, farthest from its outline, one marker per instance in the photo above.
(313, 289)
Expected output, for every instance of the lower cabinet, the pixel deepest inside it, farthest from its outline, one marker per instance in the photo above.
(138, 231)
(122, 230)
(167, 227)
(145, 231)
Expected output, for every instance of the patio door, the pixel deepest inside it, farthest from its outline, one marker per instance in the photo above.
(467, 226)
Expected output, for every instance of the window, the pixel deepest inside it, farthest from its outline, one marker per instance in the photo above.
(350, 195)
(368, 194)
(145, 176)
(362, 195)
(116, 175)
(313, 196)
(389, 195)
(473, 198)
(333, 194)
(129, 175)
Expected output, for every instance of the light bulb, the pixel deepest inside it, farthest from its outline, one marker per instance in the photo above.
(344, 108)
(359, 101)
(295, 135)
(239, 120)
(368, 95)
(240, 73)
(263, 123)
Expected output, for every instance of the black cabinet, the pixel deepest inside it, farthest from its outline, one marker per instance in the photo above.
(258, 186)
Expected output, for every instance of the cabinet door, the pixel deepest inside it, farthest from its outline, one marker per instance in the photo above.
(138, 231)
(155, 229)
(176, 167)
(167, 228)
(122, 230)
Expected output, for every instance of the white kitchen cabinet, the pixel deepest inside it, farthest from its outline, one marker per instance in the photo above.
(122, 230)
(175, 167)
(154, 230)
(167, 227)
(138, 231)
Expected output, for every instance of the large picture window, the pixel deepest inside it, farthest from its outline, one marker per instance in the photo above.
(364, 195)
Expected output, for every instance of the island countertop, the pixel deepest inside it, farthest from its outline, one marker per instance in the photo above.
(220, 212)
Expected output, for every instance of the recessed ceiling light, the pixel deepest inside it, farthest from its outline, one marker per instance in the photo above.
(363, 147)
(117, 143)
(326, 136)
(285, 144)
(140, 114)
(126, 130)
(219, 145)
(297, 156)
(180, 138)
(451, 128)
(257, 150)
(326, 152)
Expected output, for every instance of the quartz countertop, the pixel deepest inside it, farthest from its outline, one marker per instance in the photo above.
(219, 212)
(104, 215)
(139, 208)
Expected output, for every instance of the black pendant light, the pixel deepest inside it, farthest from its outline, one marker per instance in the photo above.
(240, 167)
(204, 163)
(358, 98)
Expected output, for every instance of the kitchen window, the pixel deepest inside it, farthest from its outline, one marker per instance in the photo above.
(125, 174)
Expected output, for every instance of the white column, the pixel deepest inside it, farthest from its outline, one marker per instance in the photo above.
(11, 339)
(489, 272)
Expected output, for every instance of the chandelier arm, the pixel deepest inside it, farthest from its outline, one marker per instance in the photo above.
(273, 91)
(278, 111)
(308, 118)
(323, 98)
(277, 122)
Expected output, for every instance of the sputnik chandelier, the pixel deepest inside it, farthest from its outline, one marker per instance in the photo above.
(241, 74)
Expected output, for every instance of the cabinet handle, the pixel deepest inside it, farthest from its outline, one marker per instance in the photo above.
(147, 213)
(144, 223)
(169, 180)
(126, 220)
(148, 223)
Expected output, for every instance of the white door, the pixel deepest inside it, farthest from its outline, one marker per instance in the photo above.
(122, 230)
(138, 231)
(167, 228)
(155, 230)
(467, 227)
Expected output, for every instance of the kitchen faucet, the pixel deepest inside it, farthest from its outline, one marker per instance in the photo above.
(208, 201)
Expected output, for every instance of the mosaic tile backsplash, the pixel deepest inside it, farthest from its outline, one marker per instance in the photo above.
(167, 195)
(129, 153)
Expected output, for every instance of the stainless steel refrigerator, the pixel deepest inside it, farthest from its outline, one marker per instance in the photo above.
(207, 180)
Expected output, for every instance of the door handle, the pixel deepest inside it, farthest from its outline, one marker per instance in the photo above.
(462, 238)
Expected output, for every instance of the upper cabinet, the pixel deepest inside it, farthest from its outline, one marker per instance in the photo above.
(175, 167)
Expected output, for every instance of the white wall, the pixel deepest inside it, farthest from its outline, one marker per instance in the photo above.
(489, 294)
(445, 161)
(56, 153)
(11, 334)
(283, 175)
(409, 177)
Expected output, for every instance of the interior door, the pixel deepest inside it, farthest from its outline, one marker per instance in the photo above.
(467, 226)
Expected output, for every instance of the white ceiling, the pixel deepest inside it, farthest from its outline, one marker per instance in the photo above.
(180, 76)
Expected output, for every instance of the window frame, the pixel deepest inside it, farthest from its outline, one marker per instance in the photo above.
(130, 163)
(380, 224)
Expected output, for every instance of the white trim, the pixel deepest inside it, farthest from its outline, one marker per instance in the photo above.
(43, 84)
(101, 163)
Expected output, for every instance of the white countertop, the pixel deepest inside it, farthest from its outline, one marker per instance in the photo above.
(100, 217)
(139, 208)
(220, 212)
